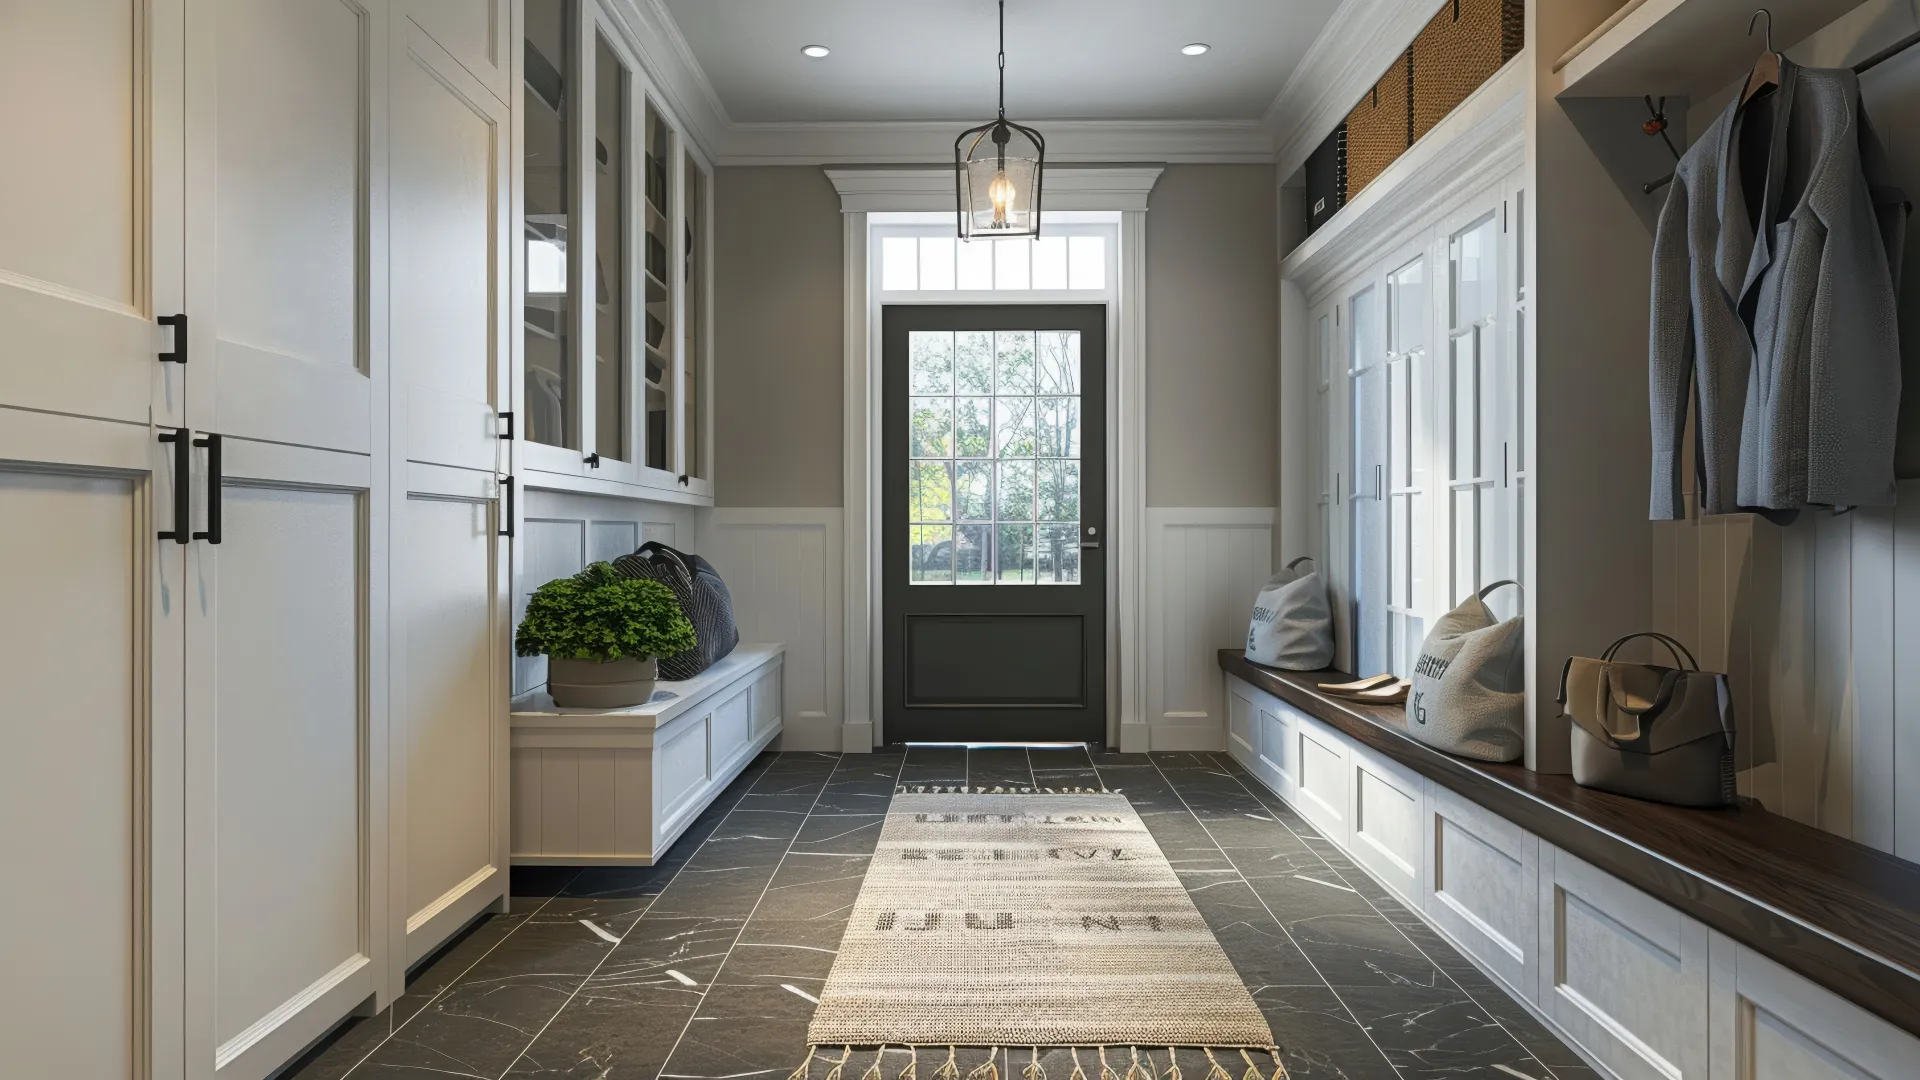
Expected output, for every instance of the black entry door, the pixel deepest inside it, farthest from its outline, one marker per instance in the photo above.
(993, 522)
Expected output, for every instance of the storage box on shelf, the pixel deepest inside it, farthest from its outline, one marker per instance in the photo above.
(1676, 973)
(617, 787)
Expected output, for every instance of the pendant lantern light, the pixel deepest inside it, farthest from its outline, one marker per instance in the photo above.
(997, 169)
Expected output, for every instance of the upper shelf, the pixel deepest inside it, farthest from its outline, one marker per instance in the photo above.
(1685, 48)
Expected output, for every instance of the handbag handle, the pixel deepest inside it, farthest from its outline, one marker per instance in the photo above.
(1488, 591)
(656, 547)
(1677, 650)
(1301, 559)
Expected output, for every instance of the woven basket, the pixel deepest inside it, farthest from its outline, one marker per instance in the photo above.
(1377, 129)
(1461, 47)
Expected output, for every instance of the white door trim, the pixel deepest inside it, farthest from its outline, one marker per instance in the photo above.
(865, 191)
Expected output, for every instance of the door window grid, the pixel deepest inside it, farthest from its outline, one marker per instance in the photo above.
(1447, 427)
(1367, 529)
(1070, 261)
(1406, 377)
(994, 437)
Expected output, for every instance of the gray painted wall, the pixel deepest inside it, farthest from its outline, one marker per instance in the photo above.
(1212, 337)
(1212, 319)
(777, 338)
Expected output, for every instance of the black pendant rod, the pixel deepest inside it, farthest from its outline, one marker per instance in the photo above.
(1003, 59)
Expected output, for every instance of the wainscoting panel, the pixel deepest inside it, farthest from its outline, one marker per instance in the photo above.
(1807, 620)
(1770, 1024)
(562, 532)
(1205, 566)
(783, 566)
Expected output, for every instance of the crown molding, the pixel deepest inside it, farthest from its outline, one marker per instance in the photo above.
(676, 75)
(913, 142)
(1346, 58)
(891, 190)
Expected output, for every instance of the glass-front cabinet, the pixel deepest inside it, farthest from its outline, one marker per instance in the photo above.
(615, 233)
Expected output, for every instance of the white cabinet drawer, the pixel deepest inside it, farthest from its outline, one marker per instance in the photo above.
(1482, 886)
(1384, 822)
(1324, 789)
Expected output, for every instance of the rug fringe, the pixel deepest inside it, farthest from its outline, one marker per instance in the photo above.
(988, 1071)
(950, 1070)
(834, 1073)
(801, 1072)
(1135, 1069)
(1173, 1065)
(873, 1070)
(962, 789)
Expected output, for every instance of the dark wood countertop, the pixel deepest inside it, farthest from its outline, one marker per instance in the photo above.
(1840, 913)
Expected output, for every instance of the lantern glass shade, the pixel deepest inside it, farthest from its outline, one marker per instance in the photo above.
(998, 169)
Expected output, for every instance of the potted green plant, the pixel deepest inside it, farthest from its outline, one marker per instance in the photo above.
(602, 635)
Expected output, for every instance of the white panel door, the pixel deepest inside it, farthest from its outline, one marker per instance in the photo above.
(449, 140)
(285, 257)
(90, 653)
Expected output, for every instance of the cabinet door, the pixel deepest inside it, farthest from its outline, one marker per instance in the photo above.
(448, 140)
(284, 116)
(90, 649)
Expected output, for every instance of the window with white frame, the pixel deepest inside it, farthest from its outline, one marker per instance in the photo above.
(1429, 440)
(1067, 258)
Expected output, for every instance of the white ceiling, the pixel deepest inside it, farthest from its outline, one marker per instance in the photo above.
(902, 60)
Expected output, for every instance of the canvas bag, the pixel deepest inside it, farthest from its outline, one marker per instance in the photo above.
(1651, 732)
(702, 595)
(1469, 693)
(1292, 625)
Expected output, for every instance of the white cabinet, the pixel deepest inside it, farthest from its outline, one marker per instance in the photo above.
(1770, 1024)
(1642, 991)
(1624, 977)
(1482, 876)
(617, 787)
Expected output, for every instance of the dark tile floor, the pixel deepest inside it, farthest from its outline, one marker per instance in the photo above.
(706, 967)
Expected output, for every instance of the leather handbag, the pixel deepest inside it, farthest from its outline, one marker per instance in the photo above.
(702, 595)
(1469, 693)
(1651, 732)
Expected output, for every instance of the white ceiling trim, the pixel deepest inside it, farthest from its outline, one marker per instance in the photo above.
(909, 190)
(669, 64)
(1357, 44)
(888, 143)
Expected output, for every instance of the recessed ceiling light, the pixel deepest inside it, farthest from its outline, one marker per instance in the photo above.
(1195, 49)
(815, 51)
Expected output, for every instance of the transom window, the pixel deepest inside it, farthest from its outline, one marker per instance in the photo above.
(1072, 259)
(994, 437)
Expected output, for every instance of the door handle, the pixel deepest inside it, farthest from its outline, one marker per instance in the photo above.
(182, 440)
(212, 444)
(179, 353)
(1085, 543)
(506, 527)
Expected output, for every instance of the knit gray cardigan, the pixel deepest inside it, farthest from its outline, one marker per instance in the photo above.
(1788, 337)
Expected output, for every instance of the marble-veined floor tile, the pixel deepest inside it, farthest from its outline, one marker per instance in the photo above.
(1439, 1032)
(1319, 1037)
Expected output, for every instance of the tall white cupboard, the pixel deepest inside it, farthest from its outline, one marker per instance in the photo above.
(253, 575)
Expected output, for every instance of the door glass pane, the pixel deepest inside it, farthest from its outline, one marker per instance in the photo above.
(660, 281)
(1367, 504)
(694, 355)
(994, 430)
(610, 256)
(550, 395)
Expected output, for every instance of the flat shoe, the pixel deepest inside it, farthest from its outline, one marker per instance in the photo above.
(1373, 683)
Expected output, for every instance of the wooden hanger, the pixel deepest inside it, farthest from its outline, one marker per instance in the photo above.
(1766, 70)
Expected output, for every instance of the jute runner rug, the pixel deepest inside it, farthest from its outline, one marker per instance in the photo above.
(1027, 921)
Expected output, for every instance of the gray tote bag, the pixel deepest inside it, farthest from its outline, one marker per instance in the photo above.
(1469, 693)
(1292, 626)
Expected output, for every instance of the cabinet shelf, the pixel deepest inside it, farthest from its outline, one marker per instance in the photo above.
(1685, 48)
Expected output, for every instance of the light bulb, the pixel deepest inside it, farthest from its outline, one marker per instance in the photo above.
(1001, 193)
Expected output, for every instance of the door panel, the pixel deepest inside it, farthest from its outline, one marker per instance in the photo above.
(74, 728)
(289, 711)
(994, 510)
(454, 678)
(477, 34)
(73, 211)
(449, 166)
(448, 184)
(277, 215)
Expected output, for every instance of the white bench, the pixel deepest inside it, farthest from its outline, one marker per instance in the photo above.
(616, 787)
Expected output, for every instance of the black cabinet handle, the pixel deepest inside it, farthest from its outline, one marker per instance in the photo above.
(507, 435)
(179, 353)
(182, 440)
(506, 528)
(683, 479)
(592, 459)
(212, 444)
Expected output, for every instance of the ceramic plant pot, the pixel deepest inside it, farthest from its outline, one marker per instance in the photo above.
(590, 684)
